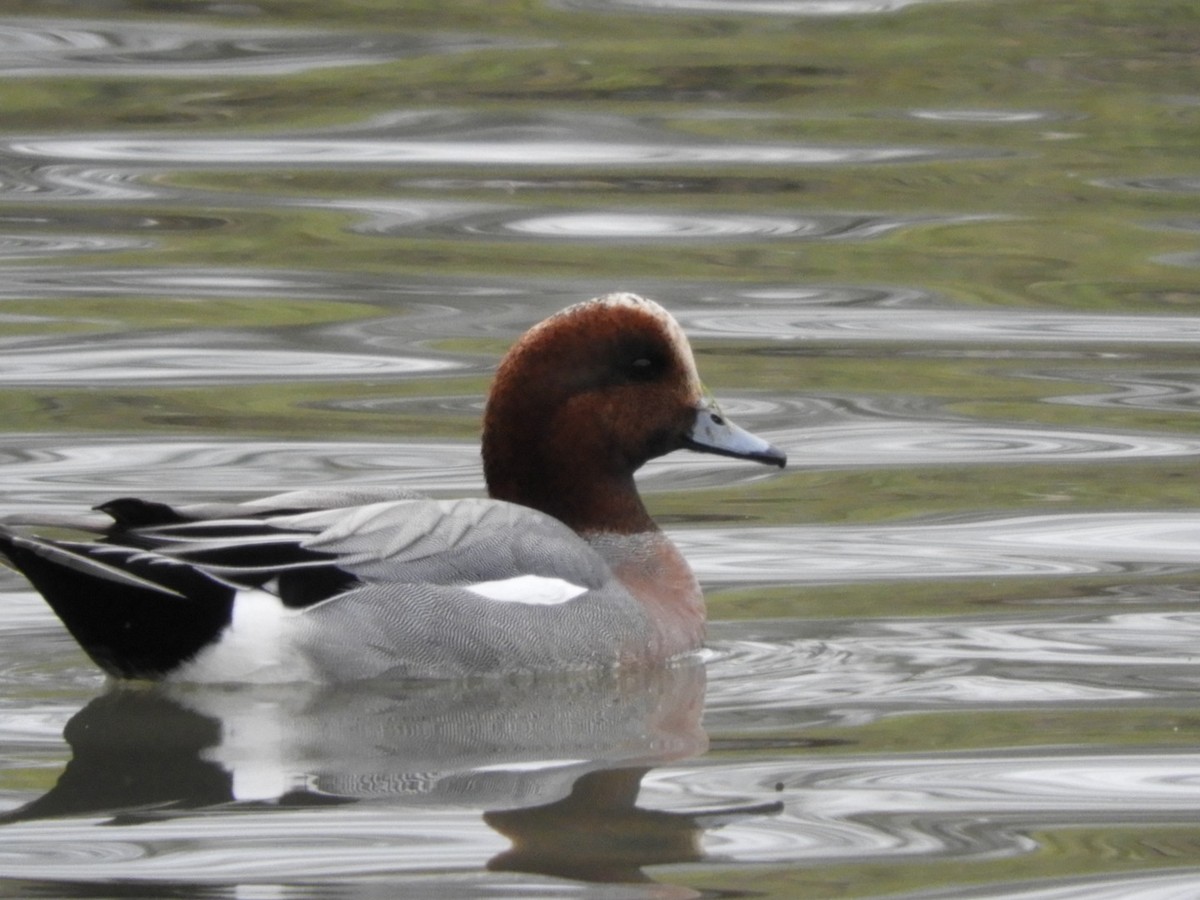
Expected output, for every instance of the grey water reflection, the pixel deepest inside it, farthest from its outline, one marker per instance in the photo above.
(555, 765)
(852, 674)
(471, 140)
(33, 182)
(1174, 391)
(131, 360)
(31, 246)
(932, 326)
(90, 48)
(634, 226)
(986, 116)
(975, 805)
(748, 7)
(1043, 545)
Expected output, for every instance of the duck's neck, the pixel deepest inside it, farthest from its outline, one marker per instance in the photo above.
(608, 513)
(552, 467)
(588, 502)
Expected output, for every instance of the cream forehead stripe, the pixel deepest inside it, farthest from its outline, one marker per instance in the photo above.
(675, 335)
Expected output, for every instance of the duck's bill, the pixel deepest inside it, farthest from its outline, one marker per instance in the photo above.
(713, 433)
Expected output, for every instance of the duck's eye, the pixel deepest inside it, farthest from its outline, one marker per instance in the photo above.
(643, 368)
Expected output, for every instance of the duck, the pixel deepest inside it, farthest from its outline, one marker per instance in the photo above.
(561, 567)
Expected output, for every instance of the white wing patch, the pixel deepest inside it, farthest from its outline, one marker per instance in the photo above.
(535, 590)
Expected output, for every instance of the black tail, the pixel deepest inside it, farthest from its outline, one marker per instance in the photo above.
(135, 613)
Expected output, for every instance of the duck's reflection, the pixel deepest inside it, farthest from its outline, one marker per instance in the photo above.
(555, 762)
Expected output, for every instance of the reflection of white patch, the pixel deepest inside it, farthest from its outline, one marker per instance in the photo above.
(536, 590)
(258, 746)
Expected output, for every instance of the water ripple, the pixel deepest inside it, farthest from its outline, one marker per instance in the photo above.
(933, 326)
(849, 675)
(665, 226)
(888, 430)
(1173, 884)
(935, 805)
(746, 7)
(796, 674)
(99, 467)
(931, 442)
(1169, 391)
(1189, 225)
(792, 296)
(38, 851)
(112, 221)
(1174, 184)
(1014, 783)
(499, 309)
(67, 182)
(212, 152)
(985, 116)
(75, 364)
(1187, 260)
(209, 281)
(1043, 545)
(625, 225)
(263, 847)
(82, 48)
(26, 246)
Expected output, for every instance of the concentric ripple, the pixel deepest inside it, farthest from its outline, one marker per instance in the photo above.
(1173, 391)
(625, 226)
(652, 226)
(628, 226)
(984, 116)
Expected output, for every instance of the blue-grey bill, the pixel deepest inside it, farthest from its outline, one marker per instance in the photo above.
(713, 433)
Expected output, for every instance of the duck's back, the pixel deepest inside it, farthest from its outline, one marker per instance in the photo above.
(310, 586)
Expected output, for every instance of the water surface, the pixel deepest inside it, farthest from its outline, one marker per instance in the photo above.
(943, 253)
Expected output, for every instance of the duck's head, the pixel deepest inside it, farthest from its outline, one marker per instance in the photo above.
(587, 396)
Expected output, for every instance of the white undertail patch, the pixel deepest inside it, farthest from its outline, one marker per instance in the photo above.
(256, 646)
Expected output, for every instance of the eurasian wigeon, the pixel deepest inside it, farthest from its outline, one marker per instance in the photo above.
(561, 568)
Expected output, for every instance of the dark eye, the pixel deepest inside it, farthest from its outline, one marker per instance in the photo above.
(644, 368)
